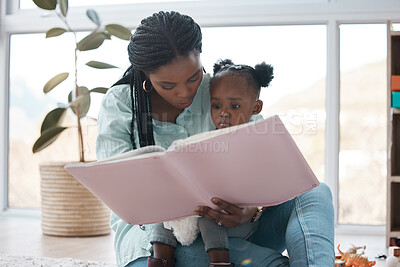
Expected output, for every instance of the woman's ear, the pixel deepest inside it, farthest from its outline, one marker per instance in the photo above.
(257, 107)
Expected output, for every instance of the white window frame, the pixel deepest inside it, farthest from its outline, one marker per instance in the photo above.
(4, 48)
(211, 13)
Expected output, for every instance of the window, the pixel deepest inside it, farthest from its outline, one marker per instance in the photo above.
(28, 104)
(362, 156)
(33, 61)
(299, 51)
(297, 92)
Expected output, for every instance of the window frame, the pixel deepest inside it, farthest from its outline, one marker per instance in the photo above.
(209, 13)
(4, 74)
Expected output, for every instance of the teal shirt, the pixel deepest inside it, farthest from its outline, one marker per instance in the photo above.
(114, 128)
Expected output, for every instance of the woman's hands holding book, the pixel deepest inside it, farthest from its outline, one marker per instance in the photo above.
(227, 214)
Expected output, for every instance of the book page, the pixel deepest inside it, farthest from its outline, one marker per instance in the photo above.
(254, 166)
(202, 144)
(197, 138)
(142, 152)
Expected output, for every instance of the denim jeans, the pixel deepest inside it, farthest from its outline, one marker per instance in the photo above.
(214, 236)
(304, 226)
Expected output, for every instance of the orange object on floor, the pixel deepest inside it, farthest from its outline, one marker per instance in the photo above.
(355, 260)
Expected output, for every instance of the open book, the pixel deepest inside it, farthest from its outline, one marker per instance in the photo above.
(253, 164)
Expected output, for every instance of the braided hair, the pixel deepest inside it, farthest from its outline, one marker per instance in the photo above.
(259, 76)
(158, 40)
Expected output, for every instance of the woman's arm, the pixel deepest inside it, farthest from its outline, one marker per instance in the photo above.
(228, 214)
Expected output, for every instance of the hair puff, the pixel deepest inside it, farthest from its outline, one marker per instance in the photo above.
(265, 73)
(220, 64)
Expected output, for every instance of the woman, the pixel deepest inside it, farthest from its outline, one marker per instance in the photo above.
(162, 97)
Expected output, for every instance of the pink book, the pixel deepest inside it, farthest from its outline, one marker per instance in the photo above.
(253, 164)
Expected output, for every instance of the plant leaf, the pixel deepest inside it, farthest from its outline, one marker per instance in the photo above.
(100, 65)
(82, 90)
(101, 90)
(76, 102)
(53, 82)
(82, 101)
(119, 31)
(55, 32)
(93, 16)
(53, 119)
(63, 7)
(92, 41)
(46, 4)
(47, 138)
(107, 36)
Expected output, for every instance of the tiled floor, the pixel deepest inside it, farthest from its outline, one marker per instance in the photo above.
(21, 235)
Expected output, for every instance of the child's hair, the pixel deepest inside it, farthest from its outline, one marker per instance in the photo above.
(259, 76)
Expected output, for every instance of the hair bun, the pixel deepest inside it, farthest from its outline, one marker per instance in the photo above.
(220, 64)
(265, 73)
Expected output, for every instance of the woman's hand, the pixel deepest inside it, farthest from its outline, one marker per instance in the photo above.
(227, 214)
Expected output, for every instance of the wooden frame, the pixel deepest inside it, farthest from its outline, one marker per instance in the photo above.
(393, 138)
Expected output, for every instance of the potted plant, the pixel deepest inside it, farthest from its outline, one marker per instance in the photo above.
(68, 208)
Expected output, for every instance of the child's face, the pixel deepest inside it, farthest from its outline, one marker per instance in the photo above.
(232, 101)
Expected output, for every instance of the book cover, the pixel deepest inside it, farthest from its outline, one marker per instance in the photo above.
(254, 164)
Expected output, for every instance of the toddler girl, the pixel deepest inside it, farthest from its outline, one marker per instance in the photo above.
(234, 91)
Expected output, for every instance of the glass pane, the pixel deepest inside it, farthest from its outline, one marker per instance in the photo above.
(304, 116)
(362, 156)
(33, 61)
(396, 26)
(297, 93)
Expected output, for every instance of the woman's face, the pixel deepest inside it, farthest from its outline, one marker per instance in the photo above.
(178, 81)
(232, 101)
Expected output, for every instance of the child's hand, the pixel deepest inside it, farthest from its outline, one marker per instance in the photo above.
(228, 215)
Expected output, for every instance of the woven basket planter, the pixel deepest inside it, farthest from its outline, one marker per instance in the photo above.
(68, 208)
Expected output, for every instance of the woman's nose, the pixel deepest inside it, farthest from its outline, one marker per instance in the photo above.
(184, 92)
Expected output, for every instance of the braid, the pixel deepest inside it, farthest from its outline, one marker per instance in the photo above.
(132, 80)
(143, 113)
(158, 40)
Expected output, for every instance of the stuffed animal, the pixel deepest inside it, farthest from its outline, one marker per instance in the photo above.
(185, 229)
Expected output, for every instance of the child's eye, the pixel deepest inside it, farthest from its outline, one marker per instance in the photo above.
(235, 106)
(216, 106)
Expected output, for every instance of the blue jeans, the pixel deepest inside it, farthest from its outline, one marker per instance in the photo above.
(214, 236)
(304, 226)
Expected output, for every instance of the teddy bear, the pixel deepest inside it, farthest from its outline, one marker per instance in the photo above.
(185, 229)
